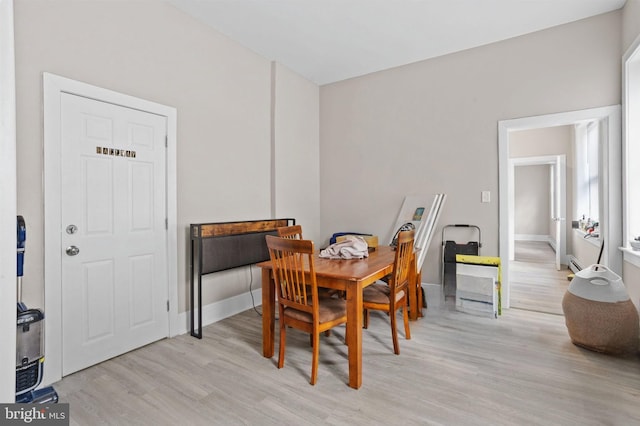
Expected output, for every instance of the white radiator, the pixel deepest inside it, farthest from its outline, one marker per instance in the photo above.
(477, 291)
(574, 265)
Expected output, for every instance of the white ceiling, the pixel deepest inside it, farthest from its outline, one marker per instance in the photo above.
(332, 40)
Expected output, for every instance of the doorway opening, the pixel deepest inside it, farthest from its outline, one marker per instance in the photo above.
(609, 185)
(539, 193)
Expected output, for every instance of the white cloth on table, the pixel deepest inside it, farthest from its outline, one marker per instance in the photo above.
(352, 247)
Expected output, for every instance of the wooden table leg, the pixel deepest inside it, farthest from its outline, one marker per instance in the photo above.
(354, 333)
(268, 313)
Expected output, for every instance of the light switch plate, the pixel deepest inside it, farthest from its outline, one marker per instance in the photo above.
(486, 196)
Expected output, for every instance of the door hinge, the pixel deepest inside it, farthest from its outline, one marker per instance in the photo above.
(166, 223)
(167, 306)
(166, 141)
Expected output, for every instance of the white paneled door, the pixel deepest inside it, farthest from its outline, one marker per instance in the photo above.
(559, 213)
(113, 233)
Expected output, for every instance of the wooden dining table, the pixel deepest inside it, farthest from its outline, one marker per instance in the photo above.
(350, 276)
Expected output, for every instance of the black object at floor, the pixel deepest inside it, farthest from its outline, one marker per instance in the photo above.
(449, 251)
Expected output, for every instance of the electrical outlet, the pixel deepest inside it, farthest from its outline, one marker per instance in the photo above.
(486, 196)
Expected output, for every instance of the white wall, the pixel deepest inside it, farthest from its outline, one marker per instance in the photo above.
(532, 201)
(223, 95)
(630, 23)
(297, 164)
(431, 126)
(540, 142)
(631, 278)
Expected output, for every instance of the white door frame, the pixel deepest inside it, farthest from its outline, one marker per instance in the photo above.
(54, 86)
(8, 205)
(610, 182)
(561, 191)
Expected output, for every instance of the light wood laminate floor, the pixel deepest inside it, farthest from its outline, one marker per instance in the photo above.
(536, 284)
(458, 369)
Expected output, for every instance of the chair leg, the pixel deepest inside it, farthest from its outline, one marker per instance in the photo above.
(365, 319)
(283, 339)
(314, 360)
(405, 314)
(394, 333)
(327, 333)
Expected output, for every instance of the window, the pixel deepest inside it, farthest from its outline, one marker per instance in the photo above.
(587, 171)
(591, 172)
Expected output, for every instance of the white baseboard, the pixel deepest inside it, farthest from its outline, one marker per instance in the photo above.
(539, 238)
(226, 308)
(532, 237)
(221, 309)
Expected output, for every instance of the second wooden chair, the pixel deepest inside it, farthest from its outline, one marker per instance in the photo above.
(393, 296)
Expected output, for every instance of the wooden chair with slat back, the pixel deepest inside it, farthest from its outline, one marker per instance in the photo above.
(294, 275)
(393, 296)
(293, 232)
